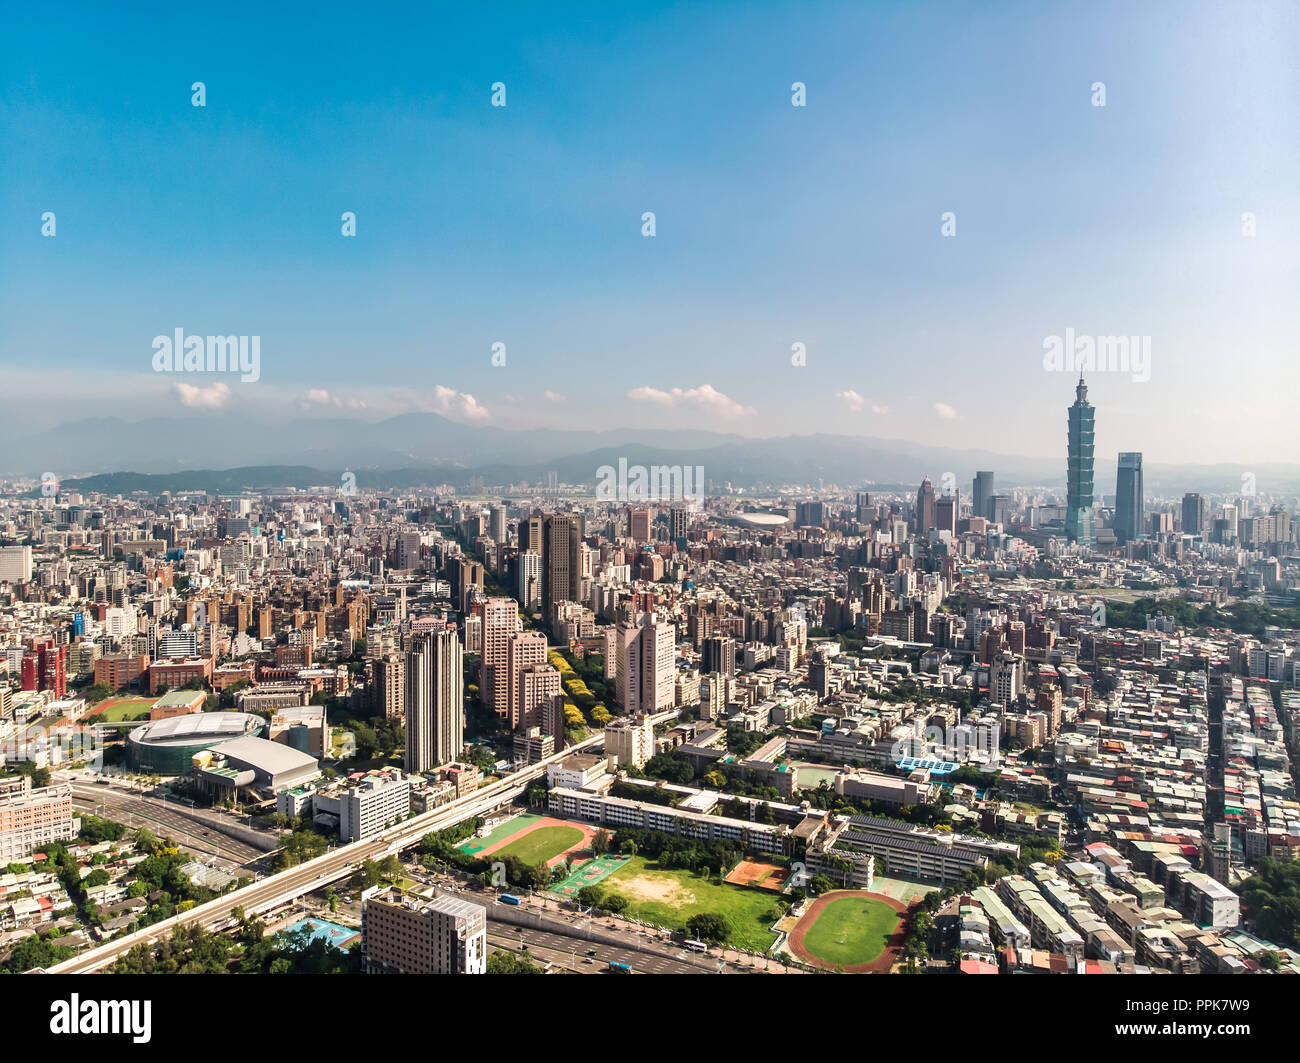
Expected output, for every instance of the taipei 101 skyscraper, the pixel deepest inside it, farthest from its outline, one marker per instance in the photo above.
(1078, 482)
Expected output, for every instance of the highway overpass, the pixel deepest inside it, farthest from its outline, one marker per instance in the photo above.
(267, 893)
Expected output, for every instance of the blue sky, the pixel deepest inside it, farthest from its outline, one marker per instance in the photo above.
(775, 224)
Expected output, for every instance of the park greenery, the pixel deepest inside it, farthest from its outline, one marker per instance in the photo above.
(1271, 897)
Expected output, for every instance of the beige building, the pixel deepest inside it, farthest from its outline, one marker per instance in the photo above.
(390, 686)
(630, 739)
(500, 625)
(32, 818)
(402, 933)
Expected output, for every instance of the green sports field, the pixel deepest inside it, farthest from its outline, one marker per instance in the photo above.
(851, 930)
(116, 710)
(542, 844)
(499, 833)
(670, 897)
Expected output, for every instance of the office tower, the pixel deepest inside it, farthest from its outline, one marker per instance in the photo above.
(1193, 514)
(863, 512)
(530, 535)
(925, 506)
(1078, 478)
(561, 536)
(524, 650)
(435, 701)
(645, 669)
(500, 624)
(638, 521)
(1128, 497)
(718, 654)
(1000, 508)
(982, 495)
(945, 512)
(497, 523)
(811, 514)
(529, 590)
(405, 934)
(15, 564)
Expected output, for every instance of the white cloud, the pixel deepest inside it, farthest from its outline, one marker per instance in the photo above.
(212, 397)
(458, 405)
(856, 403)
(552, 396)
(945, 411)
(321, 397)
(705, 397)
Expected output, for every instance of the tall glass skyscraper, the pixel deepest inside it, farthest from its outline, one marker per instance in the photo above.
(983, 491)
(1128, 497)
(1078, 475)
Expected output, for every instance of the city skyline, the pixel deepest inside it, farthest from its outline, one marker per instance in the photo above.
(703, 489)
(522, 225)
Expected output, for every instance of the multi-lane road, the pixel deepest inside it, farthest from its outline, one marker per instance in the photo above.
(273, 890)
(572, 954)
(194, 829)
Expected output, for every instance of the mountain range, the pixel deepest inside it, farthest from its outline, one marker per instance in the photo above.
(223, 452)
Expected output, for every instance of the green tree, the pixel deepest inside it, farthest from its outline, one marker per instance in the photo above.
(708, 926)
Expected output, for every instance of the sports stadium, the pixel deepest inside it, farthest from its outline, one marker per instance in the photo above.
(166, 747)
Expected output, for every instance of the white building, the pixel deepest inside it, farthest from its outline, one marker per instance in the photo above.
(380, 799)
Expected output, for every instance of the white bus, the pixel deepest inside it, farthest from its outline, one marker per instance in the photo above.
(695, 946)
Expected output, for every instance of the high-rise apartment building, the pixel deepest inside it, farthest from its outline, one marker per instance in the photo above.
(538, 684)
(500, 624)
(1079, 527)
(646, 666)
(718, 654)
(390, 686)
(529, 583)
(1128, 497)
(525, 650)
(435, 701)
(678, 518)
(15, 564)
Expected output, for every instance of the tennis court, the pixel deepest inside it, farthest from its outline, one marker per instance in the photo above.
(591, 873)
